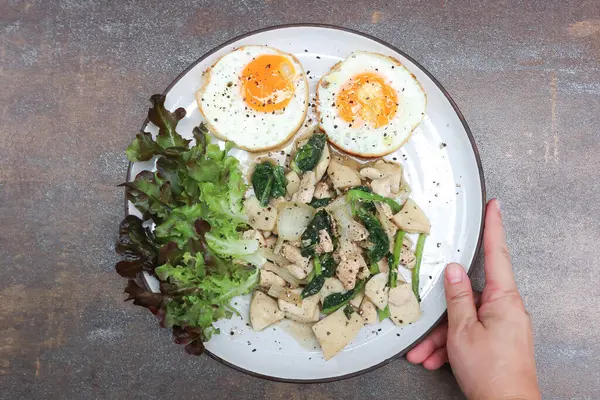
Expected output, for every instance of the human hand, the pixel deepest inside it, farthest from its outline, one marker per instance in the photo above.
(491, 349)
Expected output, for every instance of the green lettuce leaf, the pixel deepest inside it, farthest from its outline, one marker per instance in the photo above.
(197, 250)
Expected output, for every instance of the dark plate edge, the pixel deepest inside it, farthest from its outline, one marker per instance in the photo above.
(465, 126)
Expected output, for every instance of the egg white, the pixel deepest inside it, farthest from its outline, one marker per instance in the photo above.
(365, 140)
(221, 102)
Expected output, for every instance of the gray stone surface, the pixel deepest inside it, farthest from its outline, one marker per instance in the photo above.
(75, 77)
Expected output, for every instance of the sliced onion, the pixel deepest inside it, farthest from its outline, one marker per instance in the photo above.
(292, 220)
(342, 214)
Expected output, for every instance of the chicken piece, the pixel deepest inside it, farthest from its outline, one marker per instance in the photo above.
(368, 311)
(263, 311)
(345, 249)
(383, 265)
(371, 173)
(342, 176)
(293, 182)
(270, 242)
(254, 234)
(377, 291)
(336, 330)
(412, 219)
(307, 188)
(259, 217)
(407, 257)
(268, 279)
(292, 254)
(299, 272)
(323, 163)
(404, 306)
(348, 268)
(382, 187)
(357, 232)
(266, 234)
(322, 191)
(325, 244)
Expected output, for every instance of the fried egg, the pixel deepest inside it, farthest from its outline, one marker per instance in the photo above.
(256, 96)
(369, 104)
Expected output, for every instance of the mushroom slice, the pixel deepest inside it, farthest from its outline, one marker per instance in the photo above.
(322, 191)
(285, 294)
(336, 330)
(357, 299)
(342, 176)
(323, 163)
(293, 182)
(307, 188)
(412, 219)
(331, 285)
(371, 173)
(382, 187)
(377, 291)
(263, 311)
(260, 217)
(404, 306)
(368, 311)
(269, 278)
(391, 170)
(307, 311)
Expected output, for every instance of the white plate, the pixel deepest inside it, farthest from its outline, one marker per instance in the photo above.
(443, 168)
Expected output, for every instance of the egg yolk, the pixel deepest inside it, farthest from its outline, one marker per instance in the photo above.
(268, 83)
(367, 98)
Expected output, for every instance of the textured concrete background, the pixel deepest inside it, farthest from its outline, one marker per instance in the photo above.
(75, 78)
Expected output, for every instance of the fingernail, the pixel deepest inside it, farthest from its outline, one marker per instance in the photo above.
(454, 273)
(498, 206)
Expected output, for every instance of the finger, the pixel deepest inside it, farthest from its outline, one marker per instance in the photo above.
(437, 359)
(497, 264)
(459, 296)
(427, 347)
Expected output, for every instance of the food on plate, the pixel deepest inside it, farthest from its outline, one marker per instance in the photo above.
(197, 249)
(335, 331)
(338, 226)
(314, 236)
(369, 104)
(256, 96)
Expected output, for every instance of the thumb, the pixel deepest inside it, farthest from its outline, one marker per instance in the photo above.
(459, 296)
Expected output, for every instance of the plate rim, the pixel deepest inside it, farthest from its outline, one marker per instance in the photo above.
(464, 124)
